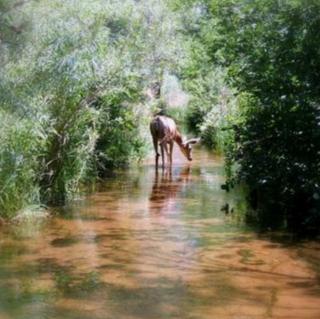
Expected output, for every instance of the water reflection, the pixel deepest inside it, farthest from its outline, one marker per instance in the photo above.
(166, 187)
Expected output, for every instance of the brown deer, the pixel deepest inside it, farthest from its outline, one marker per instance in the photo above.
(164, 132)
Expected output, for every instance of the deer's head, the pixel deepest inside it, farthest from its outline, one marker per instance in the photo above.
(186, 147)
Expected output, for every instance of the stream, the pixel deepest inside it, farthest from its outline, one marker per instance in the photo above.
(150, 245)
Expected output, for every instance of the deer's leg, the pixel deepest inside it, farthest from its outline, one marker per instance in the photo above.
(155, 145)
(162, 154)
(165, 146)
(171, 152)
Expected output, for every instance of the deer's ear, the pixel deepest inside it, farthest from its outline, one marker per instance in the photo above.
(193, 141)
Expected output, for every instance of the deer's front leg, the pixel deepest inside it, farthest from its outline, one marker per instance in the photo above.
(171, 152)
(162, 155)
(165, 146)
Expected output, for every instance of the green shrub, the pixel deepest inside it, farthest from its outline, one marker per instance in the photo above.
(268, 52)
(69, 147)
(272, 56)
(120, 140)
(21, 144)
(77, 73)
(211, 105)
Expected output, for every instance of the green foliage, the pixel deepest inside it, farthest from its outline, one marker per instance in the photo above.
(72, 104)
(20, 144)
(14, 25)
(70, 144)
(212, 101)
(271, 52)
(264, 54)
(119, 139)
(77, 73)
(211, 105)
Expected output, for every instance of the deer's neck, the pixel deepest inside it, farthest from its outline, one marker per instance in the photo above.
(178, 139)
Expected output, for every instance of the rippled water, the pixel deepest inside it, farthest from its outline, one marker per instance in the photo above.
(150, 245)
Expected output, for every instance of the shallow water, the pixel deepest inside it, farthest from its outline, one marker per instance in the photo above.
(150, 245)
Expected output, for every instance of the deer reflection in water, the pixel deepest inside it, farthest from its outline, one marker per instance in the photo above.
(165, 188)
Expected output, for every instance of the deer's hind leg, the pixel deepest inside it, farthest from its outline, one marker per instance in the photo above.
(162, 154)
(164, 148)
(170, 152)
(155, 145)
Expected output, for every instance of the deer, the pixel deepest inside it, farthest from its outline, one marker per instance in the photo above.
(164, 132)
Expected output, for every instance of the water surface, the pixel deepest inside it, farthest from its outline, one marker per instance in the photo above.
(150, 245)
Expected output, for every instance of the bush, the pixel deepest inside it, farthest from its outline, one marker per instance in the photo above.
(21, 144)
(267, 53)
(120, 139)
(69, 146)
(211, 106)
(77, 73)
(272, 58)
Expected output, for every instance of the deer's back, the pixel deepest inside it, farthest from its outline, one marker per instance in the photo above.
(162, 126)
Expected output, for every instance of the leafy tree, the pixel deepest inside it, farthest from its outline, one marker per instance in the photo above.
(76, 73)
(271, 54)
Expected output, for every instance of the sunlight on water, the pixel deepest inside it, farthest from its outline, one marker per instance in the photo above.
(153, 245)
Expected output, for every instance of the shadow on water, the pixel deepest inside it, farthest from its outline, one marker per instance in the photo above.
(155, 245)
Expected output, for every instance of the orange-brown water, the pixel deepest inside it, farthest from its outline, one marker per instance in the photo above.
(155, 246)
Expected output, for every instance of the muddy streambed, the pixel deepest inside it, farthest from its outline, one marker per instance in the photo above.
(150, 245)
